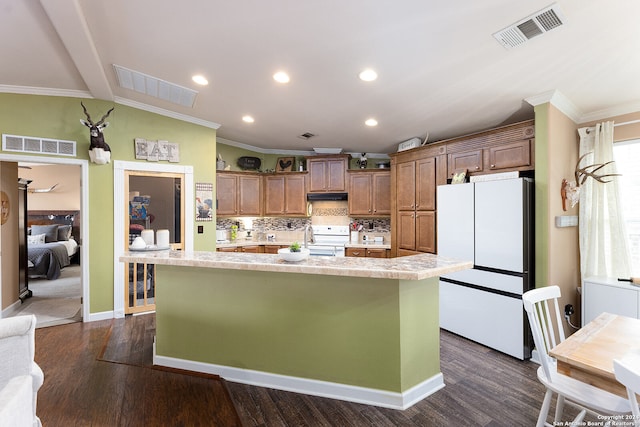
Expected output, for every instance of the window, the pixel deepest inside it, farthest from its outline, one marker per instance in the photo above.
(627, 157)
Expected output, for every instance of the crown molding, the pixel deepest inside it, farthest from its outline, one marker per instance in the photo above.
(166, 113)
(610, 112)
(558, 100)
(44, 91)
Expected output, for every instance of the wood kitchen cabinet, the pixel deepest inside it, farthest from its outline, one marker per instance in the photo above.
(367, 252)
(273, 249)
(369, 193)
(416, 203)
(285, 194)
(253, 249)
(238, 194)
(327, 173)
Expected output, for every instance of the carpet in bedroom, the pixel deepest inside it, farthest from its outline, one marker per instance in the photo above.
(55, 302)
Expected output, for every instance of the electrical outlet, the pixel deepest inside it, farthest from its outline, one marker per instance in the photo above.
(568, 310)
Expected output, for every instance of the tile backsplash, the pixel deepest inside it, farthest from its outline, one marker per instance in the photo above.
(324, 213)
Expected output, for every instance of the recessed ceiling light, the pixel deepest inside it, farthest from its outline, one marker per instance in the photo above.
(281, 77)
(371, 122)
(200, 80)
(248, 119)
(368, 75)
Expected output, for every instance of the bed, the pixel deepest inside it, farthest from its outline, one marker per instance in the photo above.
(50, 247)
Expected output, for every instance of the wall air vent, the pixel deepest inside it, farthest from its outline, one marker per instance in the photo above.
(35, 145)
(532, 26)
(152, 86)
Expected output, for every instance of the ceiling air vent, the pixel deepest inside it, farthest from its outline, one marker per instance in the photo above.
(306, 135)
(30, 144)
(524, 30)
(152, 86)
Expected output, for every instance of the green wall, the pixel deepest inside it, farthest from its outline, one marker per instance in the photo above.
(542, 195)
(376, 333)
(59, 118)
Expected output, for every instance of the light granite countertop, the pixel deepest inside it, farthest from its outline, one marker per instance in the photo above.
(414, 267)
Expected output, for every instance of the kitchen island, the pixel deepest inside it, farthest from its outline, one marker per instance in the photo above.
(357, 329)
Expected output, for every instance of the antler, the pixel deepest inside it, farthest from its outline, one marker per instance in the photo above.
(590, 171)
(105, 116)
(87, 114)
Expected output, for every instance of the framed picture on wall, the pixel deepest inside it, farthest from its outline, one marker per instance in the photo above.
(285, 164)
(204, 201)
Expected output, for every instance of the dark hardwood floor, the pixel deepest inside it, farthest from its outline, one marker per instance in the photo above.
(100, 374)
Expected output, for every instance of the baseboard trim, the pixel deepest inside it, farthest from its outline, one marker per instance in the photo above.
(11, 310)
(367, 396)
(104, 315)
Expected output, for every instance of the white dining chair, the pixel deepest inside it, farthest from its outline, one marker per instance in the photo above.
(627, 372)
(543, 312)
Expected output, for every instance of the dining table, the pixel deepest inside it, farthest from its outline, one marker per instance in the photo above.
(588, 354)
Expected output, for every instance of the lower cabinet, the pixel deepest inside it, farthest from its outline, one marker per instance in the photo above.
(367, 252)
(603, 294)
(253, 249)
(273, 249)
(416, 231)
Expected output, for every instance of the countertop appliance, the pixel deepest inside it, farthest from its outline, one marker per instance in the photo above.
(328, 240)
(491, 223)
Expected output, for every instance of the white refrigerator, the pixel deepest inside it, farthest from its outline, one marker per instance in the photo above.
(491, 223)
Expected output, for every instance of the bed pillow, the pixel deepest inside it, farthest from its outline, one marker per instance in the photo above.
(50, 232)
(35, 239)
(64, 232)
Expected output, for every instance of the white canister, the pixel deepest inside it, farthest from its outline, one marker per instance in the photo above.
(355, 236)
(162, 237)
(147, 236)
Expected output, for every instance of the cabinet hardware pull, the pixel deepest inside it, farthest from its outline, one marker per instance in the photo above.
(493, 166)
(477, 167)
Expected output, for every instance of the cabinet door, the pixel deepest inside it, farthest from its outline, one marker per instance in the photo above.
(226, 194)
(469, 160)
(406, 230)
(227, 249)
(376, 253)
(406, 193)
(512, 155)
(381, 193)
(274, 195)
(426, 184)
(336, 175)
(355, 252)
(317, 172)
(249, 198)
(360, 194)
(426, 231)
(295, 195)
(254, 249)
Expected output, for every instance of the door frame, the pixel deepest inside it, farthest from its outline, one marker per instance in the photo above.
(84, 211)
(120, 214)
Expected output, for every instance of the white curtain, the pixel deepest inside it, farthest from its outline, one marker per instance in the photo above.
(603, 239)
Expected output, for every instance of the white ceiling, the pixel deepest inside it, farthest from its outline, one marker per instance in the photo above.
(440, 69)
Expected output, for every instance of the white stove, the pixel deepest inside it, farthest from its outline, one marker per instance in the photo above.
(328, 240)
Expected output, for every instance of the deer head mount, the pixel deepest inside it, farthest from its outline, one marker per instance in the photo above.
(571, 190)
(581, 174)
(99, 150)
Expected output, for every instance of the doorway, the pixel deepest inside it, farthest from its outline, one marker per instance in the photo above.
(78, 272)
(140, 177)
(156, 209)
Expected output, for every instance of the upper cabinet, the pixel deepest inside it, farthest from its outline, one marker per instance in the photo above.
(238, 194)
(285, 194)
(327, 174)
(503, 149)
(369, 192)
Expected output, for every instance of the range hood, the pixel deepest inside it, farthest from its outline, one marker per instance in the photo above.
(313, 197)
